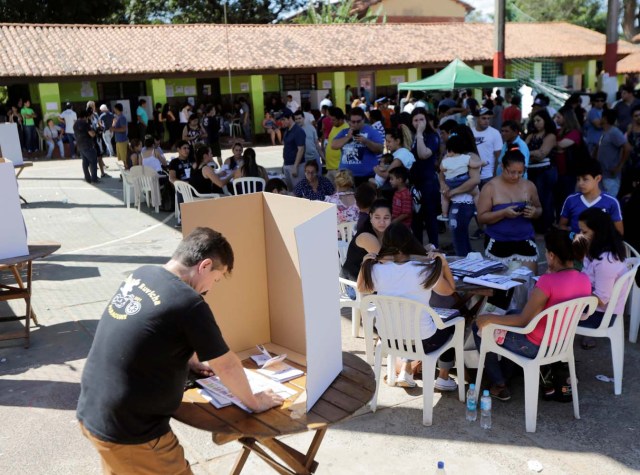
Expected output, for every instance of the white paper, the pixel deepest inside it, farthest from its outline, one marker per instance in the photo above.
(190, 90)
(396, 79)
(86, 89)
(326, 84)
(169, 91)
(13, 234)
(244, 86)
(52, 106)
(180, 90)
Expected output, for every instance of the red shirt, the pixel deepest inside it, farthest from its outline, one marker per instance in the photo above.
(512, 113)
(327, 124)
(402, 204)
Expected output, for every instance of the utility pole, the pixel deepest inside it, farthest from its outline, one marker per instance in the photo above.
(498, 39)
(611, 50)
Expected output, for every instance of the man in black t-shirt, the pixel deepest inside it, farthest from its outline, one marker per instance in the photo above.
(155, 328)
(211, 124)
(85, 135)
(180, 168)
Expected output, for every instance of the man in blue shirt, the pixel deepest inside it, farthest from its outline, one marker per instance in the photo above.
(360, 144)
(510, 132)
(293, 151)
(593, 122)
(589, 196)
(612, 152)
(120, 126)
(143, 119)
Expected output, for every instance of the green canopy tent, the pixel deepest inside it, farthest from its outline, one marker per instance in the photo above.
(457, 75)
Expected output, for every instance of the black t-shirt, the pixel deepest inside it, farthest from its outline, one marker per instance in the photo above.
(212, 126)
(182, 168)
(355, 255)
(81, 129)
(134, 377)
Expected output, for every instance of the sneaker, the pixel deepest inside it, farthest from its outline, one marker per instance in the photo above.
(501, 393)
(405, 380)
(477, 235)
(178, 225)
(445, 384)
(442, 217)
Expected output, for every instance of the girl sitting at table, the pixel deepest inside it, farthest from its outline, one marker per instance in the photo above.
(602, 249)
(234, 161)
(250, 167)
(402, 268)
(561, 283)
(203, 178)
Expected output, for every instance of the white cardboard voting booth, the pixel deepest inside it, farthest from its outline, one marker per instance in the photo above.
(10, 143)
(13, 233)
(283, 290)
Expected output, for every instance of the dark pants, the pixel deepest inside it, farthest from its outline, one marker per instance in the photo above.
(460, 215)
(30, 140)
(439, 338)
(545, 180)
(427, 217)
(89, 163)
(142, 131)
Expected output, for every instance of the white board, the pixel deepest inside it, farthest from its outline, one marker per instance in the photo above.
(10, 143)
(13, 234)
(317, 252)
(126, 107)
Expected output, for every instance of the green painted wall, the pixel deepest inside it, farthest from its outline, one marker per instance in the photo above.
(49, 97)
(383, 78)
(339, 94)
(179, 85)
(157, 89)
(72, 92)
(271, 83)
(34, 94)
(325, 77)
(236, 85)
(351, 78)
(257, 102)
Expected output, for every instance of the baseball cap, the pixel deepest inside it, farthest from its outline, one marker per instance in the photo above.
(104, 108)
(485, 111)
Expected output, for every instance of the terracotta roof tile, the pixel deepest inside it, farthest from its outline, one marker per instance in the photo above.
(630, 64)
(51, 51)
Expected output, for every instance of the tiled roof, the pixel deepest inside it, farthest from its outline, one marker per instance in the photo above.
(629, 64)
(54, 51)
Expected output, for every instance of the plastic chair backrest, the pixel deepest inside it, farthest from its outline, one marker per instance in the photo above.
(398, 323)
(185, 189)
(621, 289)
(561, 323)
(245, 185)
(136, 171)
(631, 252)
(345, 230)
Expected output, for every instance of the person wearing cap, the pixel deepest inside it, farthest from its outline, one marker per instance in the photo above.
(105, 120)
(489, 143)
(293, 150)
(593, 123)
(69, 117)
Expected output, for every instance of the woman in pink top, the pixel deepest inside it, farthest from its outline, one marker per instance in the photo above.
(561, 283)
(602, 248)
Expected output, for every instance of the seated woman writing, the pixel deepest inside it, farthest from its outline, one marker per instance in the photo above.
(402, 268)
(507, 205)
(602, 249)
(561, 283)
(203, 178)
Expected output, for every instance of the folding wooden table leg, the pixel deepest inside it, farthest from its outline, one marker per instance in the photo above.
(16, 274)
(242, 459)
(28, 300)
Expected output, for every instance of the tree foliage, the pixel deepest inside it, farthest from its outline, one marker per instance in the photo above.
(341, 12)
(43, 11)
(587, 13)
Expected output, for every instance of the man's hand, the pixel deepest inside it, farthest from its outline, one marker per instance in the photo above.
(294, 172)
(266, 400)
(197, 367)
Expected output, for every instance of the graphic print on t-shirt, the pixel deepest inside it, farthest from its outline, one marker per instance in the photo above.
(125, 299)
(353, 151)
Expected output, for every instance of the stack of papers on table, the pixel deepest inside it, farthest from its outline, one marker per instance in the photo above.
(500, 282)
(474, 267)
(219, 396)
(275, 368)
(447, 313)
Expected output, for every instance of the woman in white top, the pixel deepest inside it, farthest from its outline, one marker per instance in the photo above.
(402, 268)
(151, 157)
(398, 143)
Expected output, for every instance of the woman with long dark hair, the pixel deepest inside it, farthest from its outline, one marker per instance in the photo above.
(402, 268)
(570, 148)
(250, 167)
(425, 148)
(541, 170)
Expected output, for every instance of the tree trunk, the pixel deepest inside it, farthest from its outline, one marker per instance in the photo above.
(630, 19)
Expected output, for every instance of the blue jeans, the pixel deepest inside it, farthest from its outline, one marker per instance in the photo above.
(51, 145)
(612, 185)
(30, 138)
(72, 143)
(544, 179)
(499, 371)
(460, 216)
(89, 164)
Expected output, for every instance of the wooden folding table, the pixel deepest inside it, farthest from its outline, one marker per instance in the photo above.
(350, 391)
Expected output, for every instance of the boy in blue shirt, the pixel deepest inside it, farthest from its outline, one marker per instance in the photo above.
(590, 195)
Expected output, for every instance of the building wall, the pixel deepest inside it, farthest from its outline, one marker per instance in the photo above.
(181, 87)
(78, 91)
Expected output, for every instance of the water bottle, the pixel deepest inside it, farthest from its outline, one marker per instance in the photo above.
(485, 410)
(472, 410)
(441, 470)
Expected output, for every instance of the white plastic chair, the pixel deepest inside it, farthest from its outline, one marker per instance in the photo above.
(633, 304)
(556, 345)
(398, 324)
(246, 185)
(615, 332)
(146, 182)
(127, 185)
(189, 194)
(347, 302)
(345, 231)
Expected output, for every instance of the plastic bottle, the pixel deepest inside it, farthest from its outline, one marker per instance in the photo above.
(472, 409)
(441, 470)
(485, 410)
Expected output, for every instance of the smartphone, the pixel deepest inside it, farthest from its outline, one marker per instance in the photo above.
(356, 133)
(520, 209)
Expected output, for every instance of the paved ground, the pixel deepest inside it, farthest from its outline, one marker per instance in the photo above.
(102, 241)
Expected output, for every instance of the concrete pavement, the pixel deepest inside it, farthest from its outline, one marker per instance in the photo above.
(103, 241)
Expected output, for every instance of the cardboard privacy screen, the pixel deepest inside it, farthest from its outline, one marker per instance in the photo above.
(13, 234)
(10, 143)
(283, 289)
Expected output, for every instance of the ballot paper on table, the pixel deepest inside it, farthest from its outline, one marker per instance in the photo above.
(219, 396)
(500, 282)
(275, 367)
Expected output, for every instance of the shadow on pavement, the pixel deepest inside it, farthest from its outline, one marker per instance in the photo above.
(41, 394)
(160, 260)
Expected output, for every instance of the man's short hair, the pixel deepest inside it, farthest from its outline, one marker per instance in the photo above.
(142, 101)
(287, 114)
(275, 184)
(511, 124)
(627, 88)
(118, 107)
(448, 125)
(365, 195)
(205, 243)
(589, 167)
(610, 115)
(356, 111)
(298, 113)
(336, 113)
(400, 172)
